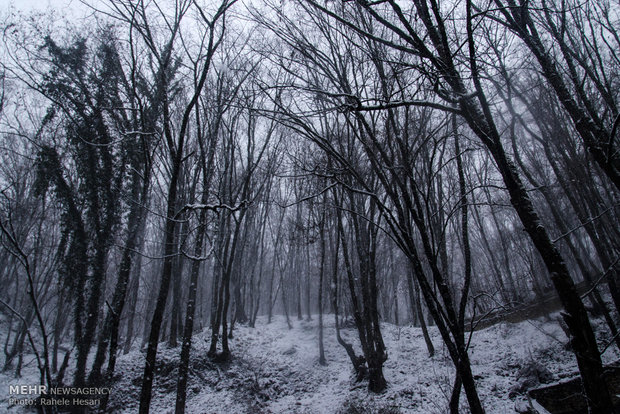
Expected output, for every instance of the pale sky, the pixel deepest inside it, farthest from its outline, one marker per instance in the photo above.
(66, 7)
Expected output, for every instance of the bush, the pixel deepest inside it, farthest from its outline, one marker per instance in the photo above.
(367, 407)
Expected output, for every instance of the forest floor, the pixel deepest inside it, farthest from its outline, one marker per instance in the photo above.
(276, 370)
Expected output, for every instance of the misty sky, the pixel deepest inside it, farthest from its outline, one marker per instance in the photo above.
(66, 6)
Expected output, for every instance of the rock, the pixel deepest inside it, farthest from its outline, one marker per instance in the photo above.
(530, 375)
(290, 351)
(535, 371)
(522, 407)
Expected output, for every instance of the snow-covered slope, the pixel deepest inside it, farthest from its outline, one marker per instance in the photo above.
(276, 370)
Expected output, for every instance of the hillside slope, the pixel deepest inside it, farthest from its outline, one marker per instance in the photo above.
(276, 370)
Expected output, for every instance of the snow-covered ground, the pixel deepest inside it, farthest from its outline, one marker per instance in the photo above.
(276, 370)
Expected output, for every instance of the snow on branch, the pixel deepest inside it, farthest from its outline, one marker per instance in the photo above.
(354, 103)
(199, 258)
(213, 207)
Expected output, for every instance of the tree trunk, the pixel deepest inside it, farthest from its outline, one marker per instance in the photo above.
(322, 360)
(162, 296)
(109, 332)
(189, 317)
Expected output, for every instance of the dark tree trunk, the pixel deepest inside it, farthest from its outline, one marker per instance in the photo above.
(134, 289)
(162, 296)
(583, 341)
(365, 312)
(322, 360)
(189, 318)
(220, 240)
(413, 311)
(109, 332)
(358, 362)
(418, 304)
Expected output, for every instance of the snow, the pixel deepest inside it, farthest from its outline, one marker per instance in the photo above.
(276, 370)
